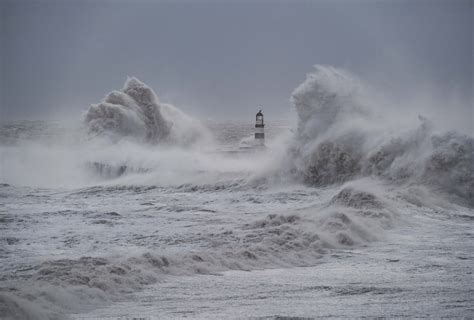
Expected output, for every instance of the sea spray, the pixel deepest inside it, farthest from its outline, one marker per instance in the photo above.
(136, 112)
(341, 135)
(173, 209)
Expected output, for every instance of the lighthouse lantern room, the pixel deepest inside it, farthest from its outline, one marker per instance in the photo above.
(259, 125)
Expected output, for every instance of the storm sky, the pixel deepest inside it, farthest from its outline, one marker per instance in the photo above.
(225, 59)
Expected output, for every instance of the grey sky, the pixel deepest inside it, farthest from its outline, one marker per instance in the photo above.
(224, 59)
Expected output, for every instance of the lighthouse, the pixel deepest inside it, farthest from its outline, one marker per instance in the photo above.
(259, 125)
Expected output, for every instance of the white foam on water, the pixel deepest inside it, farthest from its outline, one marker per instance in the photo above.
(144, 193)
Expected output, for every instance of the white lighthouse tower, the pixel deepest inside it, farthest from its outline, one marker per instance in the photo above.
(259, 133)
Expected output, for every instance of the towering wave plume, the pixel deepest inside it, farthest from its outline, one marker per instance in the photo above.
(340, 137)
(136, 112)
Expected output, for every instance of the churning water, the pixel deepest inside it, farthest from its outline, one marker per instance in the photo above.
(143, 211)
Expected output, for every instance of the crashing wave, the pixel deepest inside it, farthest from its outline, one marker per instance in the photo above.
(353, 217)
(136, 112)
(358, 199)
(339, 138)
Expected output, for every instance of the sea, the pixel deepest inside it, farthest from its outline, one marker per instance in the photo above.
(139, 211)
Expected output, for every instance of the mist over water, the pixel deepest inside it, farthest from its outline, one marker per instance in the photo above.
(140, 192)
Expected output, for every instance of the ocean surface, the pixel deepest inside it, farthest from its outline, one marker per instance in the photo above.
(140, 211)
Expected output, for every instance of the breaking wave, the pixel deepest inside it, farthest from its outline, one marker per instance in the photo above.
(354, 216)
(136, 112)
(340, 137)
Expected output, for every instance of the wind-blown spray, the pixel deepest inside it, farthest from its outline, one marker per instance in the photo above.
(342, 136)
(136, 112)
